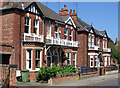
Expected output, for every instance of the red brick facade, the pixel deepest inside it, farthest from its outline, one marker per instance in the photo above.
(13, 34)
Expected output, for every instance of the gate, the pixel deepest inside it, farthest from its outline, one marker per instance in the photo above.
(4, 75)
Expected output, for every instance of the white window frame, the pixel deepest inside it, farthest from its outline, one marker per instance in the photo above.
(105, 59)
(75, 59)
(89, 40)
(92, 41)
(109, 60)
(29, 26)
(27, 60)
(40, 59)
(96, 60)
(69, 57)
(49, 26)
(98, 42)
(36, 26)
(56, 32)
(66, 34)
(71, 35)
(91, 56)
(103, 44)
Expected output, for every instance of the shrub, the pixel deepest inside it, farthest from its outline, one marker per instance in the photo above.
(79, 72)
(46, 72)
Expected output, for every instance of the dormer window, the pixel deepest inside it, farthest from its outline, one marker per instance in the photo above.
(71, 34)
(56, 31)
(27, 25)
(66, 33)
(36, 26)
(33, 9)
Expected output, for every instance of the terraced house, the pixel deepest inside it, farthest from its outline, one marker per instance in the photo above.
(34, 36)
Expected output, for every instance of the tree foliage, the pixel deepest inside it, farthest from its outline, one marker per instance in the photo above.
(115, 52)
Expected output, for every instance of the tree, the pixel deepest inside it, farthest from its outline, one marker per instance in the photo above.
(115, 52)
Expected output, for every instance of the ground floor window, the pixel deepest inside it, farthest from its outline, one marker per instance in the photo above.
(29, 59)
(96, 61)
(38, 59)
(49, 59)
(74, 59)
(105, 61)
(69, 58)
(109, 60)
(91, 61)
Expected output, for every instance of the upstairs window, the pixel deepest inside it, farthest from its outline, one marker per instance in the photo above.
(92, 40)
(89, 40)
(48, 30)
(27, 24)
(56, 31)
(103, 44)
(98, 41)
(71, 34)
(36, 26)
(66, 33)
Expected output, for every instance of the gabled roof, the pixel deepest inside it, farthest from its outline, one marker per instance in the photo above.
(86, 27)
(48, 13)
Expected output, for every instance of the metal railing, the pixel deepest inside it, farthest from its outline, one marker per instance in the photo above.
(33, 37)
(107, 49)
(94, 47)
(51, 40)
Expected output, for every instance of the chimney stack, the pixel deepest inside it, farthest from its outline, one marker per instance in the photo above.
(64, 11)
(70, 11)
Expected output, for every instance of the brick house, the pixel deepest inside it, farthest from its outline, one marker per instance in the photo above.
(34, 36)
(95, 46)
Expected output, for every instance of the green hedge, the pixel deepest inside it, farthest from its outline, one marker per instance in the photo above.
(46, 72)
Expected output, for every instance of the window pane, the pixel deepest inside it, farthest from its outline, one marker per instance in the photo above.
(29, 63)
(26, 29)
(37, 63)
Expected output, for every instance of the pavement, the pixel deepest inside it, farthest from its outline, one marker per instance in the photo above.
(106, 80)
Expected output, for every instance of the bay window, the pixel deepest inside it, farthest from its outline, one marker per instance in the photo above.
(105, 61)
(27, 24)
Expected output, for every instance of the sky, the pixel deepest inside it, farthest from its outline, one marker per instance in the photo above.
(102, 15)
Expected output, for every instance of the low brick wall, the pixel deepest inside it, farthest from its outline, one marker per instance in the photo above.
(89, 75)
(61, 79)
(32, 76)
(111, 72)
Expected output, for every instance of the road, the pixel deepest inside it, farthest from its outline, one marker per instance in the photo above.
(106, 80)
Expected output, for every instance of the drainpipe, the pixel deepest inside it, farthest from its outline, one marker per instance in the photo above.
(20, 43)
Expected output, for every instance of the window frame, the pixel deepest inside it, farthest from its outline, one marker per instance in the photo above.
(105, 59)
(57, 32)
(36, 26)
(96, 61)
(66, 33)
(74, 59)
(91, 61)
(92, 41)
(98, 42)
(27, 60)
(49, 25)
(38, 59)
(28, 25)
(71, 35)
(89, 40)
(69, 58)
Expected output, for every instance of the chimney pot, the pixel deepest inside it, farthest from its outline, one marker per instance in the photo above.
(70, 10)
(73, 11)
(65, 7)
